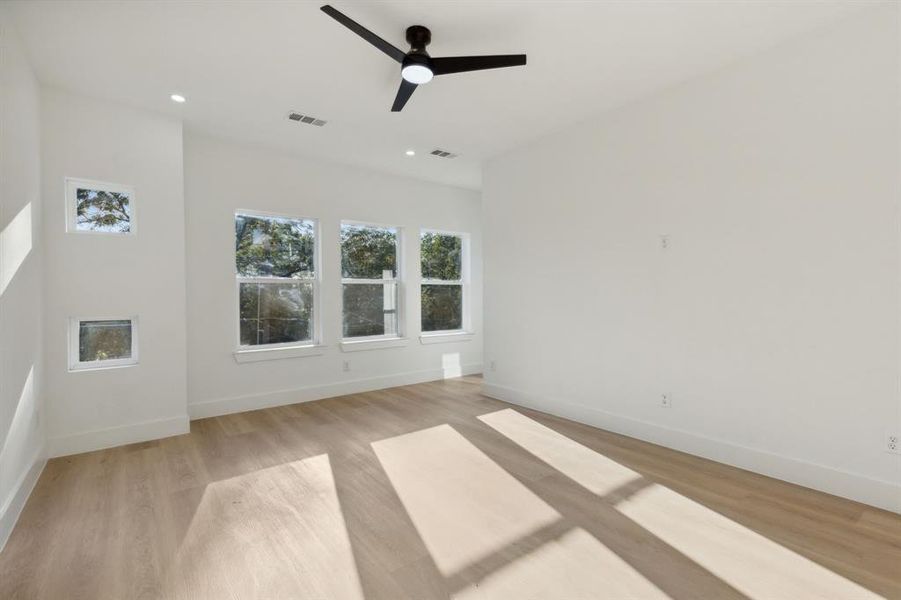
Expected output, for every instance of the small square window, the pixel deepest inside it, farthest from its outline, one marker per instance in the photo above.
(101, 343)
(95, 207)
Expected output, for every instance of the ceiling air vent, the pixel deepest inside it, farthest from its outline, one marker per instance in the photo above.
(306, 119)
(442, 153)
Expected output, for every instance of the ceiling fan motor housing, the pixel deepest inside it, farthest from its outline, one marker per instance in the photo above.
(418, 37)
(417, 59)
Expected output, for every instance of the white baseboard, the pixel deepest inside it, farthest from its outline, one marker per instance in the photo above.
(225, 406)
(14, 503)
(117, 436)
(875, 492)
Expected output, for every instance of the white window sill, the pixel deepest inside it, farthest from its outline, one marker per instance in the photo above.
(87, 368)
(446, 338)
(358, 345)
(256, 355)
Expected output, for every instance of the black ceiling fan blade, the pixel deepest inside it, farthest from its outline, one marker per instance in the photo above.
(395, 53)
(460, 64)
(404, 92)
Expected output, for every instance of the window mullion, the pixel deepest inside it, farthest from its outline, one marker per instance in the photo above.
(352, 280)
(442, 282)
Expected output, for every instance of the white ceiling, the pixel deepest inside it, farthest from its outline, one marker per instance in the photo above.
(244, 65)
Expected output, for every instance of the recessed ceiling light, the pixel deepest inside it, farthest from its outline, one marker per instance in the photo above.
(410, 152)
(178, 98)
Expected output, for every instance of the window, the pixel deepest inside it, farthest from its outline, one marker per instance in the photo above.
(100, 343)
(369, 281)
(277, 280)
(443, 281)
(95, 207)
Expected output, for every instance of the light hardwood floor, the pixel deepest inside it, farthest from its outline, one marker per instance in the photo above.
(432, 491)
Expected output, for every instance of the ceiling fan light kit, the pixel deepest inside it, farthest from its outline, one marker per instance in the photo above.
(417, 67)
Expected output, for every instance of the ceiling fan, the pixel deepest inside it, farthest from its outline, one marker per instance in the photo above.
(417, 67)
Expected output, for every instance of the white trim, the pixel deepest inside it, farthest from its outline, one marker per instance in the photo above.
(352, 281)
(225, 406)
(276, 279)
(445, 337)
(374, 343)
(369, 224)
(462, 234)
(441, 282)
(875, 492)
(13, 504)
(247, 354)
(77, 366)
(72, 186)
(110, 437)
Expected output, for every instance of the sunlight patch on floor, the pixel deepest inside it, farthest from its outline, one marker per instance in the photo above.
(15, 245)
(583, 465)
(274, 533)
(753, 564)
(464, 506)
(575, 566)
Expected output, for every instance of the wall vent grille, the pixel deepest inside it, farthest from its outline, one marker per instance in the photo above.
(294, 116)
(443, 153)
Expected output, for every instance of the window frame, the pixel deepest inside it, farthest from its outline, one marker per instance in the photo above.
(316, 333)
(72, 186)
(347, 342)
(463, 282)
(76, 365)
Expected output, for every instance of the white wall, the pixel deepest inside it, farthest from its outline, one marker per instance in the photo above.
(220, 178)
(21, 429)
(773, 316)
(106, 276)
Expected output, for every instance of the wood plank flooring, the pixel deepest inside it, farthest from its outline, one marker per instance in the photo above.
(432, 491)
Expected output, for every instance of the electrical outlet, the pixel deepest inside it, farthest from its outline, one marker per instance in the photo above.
(666, 400)
(346, 366)
(492, 366)
(892, 443)
(664, 241)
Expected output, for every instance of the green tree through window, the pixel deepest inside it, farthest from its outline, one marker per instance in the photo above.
(273, 247)
(441, 257)
(99, 210)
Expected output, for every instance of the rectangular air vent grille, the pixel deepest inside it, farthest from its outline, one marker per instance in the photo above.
(442, 153)
(306, 119)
